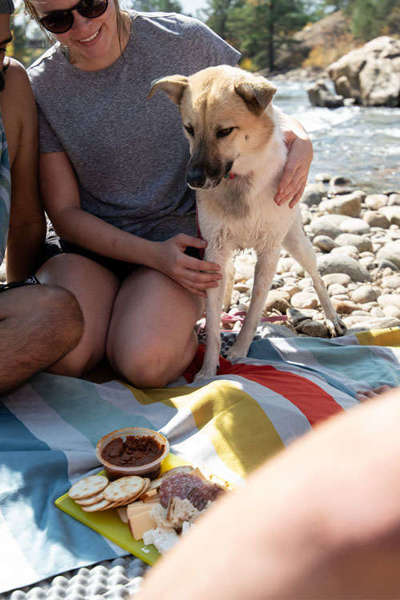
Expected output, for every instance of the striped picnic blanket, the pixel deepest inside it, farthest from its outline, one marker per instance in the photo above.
(230, 425)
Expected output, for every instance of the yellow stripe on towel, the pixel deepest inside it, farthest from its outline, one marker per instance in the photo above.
(380, 337)
(240, 431)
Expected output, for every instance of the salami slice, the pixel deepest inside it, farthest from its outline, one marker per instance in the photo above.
(188, 485)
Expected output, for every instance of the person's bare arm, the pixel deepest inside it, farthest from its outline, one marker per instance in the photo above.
(61, 198)
(300, 155)
(27, 222)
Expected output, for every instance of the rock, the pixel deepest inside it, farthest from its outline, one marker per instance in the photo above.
(376, 201)
(339, 278)
(364, 323)
(346, 250)
(244, 266)
(296, 316)
(389, 300)
(327, 225)
(304, 300)
(362, 243)
(3, 276)
(323, 177)
(370, 74)
(375, 218)
(320, 95)
(352, 225)
(346, 204)
(363, 294)
(324, 243)
(335, 289)
(394, 200)
(392, 311)
(390, 253)
(342, 264)
(344, 307)
(391, 282)
(313, 194)
(313, 328)
(277, 300)
(392, 213)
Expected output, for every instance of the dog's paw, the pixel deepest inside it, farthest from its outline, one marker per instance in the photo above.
(336, 327)
(236, 352)
(205, 373)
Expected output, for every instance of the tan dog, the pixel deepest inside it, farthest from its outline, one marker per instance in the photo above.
(237, 157)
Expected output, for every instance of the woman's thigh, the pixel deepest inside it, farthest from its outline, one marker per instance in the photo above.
(95, 288)
(151, 338)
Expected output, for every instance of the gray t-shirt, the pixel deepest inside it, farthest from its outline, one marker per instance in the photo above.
(129, 153)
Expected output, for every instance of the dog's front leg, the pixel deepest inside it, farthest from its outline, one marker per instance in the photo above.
(264, 273)
(214, 301)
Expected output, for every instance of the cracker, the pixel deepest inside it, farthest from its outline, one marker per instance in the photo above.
(102, 505)
(90, 500)
(123, 514)
(124, 489)
(88, 486)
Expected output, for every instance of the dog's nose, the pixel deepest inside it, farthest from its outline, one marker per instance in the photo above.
(196, 177)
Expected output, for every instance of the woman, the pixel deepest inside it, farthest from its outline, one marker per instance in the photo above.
(112, 177)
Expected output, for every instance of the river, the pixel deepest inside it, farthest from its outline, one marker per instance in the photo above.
(360, 143)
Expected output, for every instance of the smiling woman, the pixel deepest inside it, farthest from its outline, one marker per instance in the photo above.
(112, 171)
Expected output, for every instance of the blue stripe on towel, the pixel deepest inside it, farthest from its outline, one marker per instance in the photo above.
(67, 396)
(27, 468)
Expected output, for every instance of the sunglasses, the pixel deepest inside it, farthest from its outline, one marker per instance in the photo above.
(61, 21)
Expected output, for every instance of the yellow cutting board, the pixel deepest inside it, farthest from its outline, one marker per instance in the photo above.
(110, 525)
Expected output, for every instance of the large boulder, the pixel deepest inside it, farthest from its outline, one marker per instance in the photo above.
(371, 74)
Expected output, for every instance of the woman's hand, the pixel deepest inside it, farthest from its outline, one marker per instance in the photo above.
(193, 274)
(300, 154)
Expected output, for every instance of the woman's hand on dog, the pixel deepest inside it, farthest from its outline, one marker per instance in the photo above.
(193, 274)
(300, 155)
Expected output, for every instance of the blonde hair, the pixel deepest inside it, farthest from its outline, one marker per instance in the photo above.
(32, 12)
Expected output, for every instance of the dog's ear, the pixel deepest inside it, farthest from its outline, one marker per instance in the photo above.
(257, 93)
(173, 86)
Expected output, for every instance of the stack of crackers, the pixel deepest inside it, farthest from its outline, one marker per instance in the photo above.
(97, 493)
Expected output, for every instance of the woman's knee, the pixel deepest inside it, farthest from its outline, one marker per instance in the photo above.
(149, 367)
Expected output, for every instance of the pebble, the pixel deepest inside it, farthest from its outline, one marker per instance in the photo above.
(358, 254)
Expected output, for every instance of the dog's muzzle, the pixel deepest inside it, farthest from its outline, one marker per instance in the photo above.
(196, 177)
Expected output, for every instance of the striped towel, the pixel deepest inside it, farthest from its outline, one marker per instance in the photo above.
(5, 191)
(229, 426)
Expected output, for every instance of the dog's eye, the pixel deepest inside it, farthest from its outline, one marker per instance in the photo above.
(224, 132)
(189, 129)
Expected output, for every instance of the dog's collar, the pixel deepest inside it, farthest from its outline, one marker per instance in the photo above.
(230, 175)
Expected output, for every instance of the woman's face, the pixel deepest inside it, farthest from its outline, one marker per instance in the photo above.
(93, 43)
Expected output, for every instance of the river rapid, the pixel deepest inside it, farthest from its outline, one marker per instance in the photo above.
(360, 143)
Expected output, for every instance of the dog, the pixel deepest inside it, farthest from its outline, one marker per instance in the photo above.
(237, 155)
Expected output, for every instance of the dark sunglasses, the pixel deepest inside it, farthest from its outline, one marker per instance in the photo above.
(61, 21)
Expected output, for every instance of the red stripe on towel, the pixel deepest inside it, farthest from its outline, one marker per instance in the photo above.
(314, 402)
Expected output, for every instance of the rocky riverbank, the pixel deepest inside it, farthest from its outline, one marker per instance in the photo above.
(357, 240)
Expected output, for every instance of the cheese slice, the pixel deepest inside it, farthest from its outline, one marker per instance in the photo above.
(141, 522)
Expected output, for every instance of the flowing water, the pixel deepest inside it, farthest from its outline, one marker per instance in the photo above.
(360, 143)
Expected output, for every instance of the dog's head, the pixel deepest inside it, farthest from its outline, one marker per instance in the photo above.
(224, 112)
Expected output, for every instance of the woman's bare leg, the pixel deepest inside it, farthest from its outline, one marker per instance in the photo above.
(151, 338)
(95, 288)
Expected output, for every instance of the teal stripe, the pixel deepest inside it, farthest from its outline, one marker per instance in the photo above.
(71, 398)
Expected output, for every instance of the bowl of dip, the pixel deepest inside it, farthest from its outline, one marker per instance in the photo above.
(132, 451)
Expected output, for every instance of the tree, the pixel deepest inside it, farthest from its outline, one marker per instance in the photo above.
(369, 17)
(262, 26)
(218, 12)
(158, 5)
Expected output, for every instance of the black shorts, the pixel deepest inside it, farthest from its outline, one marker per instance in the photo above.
(120, 268)
(16, 284)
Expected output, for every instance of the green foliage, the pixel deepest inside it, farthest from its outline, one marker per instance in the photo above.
(369, 17)
(158, 5)
(259, 27)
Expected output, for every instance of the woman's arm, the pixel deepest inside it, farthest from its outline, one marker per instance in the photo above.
(61, 198)
(300, 155)
(27, 222)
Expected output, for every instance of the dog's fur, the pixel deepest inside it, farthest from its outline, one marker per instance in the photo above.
(237, 157)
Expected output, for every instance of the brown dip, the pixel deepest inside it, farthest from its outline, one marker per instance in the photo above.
(133, 452)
